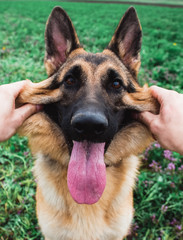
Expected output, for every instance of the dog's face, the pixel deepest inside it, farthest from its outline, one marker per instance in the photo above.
(91, 97)
(91, 107)
(92, 85)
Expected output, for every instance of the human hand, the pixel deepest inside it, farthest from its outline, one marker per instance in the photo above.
(11, 118)
(167, 126)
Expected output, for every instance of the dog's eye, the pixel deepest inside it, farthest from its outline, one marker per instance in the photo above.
(70, 81)
(116, 84)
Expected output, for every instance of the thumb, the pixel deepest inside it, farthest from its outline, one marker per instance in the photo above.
(146, 117)
(25, 111)
(161, 94)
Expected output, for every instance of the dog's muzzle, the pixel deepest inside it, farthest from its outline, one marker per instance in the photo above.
(89, 123)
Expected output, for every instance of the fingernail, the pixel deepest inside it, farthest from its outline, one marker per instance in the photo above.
(39, 107)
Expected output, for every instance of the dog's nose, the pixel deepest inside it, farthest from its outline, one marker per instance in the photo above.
(85, 122)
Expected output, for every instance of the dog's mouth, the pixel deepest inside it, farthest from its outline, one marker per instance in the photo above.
(86, 177)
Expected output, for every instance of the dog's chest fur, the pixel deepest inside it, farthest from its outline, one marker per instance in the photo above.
(61, 218)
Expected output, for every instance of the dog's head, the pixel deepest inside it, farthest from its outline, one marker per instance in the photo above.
(93, 86)
(91, 97)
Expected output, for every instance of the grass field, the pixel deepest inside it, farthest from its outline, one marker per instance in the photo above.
(159, 191)
(175, 2)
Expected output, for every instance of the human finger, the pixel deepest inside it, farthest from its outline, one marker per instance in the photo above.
(13, 88)
(25, 111)
(161, 94)
(146, 117)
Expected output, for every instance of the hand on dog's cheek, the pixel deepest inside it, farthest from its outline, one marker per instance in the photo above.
(167, 126)
(11, 118)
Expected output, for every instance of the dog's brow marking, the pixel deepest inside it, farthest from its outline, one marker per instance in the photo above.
(85, 66)
(76, 70)
(68, 66)
(103, 69)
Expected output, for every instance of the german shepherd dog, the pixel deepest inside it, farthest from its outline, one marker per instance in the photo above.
(85, 140)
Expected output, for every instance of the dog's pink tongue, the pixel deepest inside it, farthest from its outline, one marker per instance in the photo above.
(86, 177)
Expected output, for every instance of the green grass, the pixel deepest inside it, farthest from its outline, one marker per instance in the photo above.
(175, 2)
(17, 194)
(21, 56)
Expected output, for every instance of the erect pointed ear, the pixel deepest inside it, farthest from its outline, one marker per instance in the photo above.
(60, 38)
(126, 42)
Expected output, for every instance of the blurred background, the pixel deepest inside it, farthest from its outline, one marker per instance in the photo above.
(159, 189)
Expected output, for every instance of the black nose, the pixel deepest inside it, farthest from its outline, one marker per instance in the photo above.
(89, 122)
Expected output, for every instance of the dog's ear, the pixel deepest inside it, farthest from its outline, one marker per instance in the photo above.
(126, 42)
(44, 92)
(60, 38)
(141, 100)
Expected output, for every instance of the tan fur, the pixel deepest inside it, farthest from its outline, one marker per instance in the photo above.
(39, 93)
(110, 217)
(60, 217)
(102, 220)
